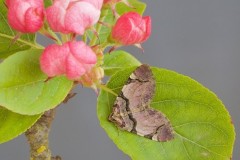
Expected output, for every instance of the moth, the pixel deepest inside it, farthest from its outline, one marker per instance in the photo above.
(132, 112)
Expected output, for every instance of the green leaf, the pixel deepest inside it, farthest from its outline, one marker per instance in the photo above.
(13, 124)
(22, 86)
(103, 31)
(7, 35)
(137, 6)
(202, 125)
(118, 60)
(47, 3)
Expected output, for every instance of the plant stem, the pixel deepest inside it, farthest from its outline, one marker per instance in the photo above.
(37, 137)
(36, 46)
(98, 27)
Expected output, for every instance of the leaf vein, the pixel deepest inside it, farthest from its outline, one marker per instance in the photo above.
(7, 23)
(183, 100)
(185, 149)
(189, 123)
(199, 145)
(23, 85)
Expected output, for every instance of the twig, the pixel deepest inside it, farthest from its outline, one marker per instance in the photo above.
(37, 137)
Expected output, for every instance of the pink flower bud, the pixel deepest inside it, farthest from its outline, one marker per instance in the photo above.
(72, 59)
(92, 77)
(131, 29)
(73, 16)
(25, 15)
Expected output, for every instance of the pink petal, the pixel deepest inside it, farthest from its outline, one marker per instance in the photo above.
(73, 59)
(82, 52)
(147, 20)
(62, 3)
(131, 28)
(53, 60)
(19, 11)
(74, 69)
(55, 16)
(96, 3)
(35, 3)
(34, 19)
(80, 16)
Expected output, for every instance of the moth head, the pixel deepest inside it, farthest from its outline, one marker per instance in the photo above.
(116, 117)
(120, 119)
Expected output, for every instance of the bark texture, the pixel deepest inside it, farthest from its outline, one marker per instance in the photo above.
(37, 137)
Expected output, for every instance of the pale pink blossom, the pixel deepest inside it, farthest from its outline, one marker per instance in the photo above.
(72, 59)
(96, 3)
(131, 29)
(73, 16)
(26, 16)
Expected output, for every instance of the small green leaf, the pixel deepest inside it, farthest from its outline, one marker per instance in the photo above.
(7, 35)
(202, 125)
(137, 6)
(13, 124)
(103, 31)
(118, 60)
(47, 3)
(22, 86)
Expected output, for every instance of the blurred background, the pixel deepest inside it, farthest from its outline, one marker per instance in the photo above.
(198, 38)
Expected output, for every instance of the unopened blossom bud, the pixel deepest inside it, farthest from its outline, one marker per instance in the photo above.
(25, 16)
(131, 29)
(73, 16)
(72, 59)
(93, 77)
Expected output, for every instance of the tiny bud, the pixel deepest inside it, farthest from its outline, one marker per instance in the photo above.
(25, 16)
(93, 77)
(131, 29)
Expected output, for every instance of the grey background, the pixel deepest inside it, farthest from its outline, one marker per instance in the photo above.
(198, 38)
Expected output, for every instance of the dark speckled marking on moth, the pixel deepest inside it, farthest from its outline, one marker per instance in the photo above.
(132, 111)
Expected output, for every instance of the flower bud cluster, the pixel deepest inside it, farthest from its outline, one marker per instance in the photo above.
(70, 18)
